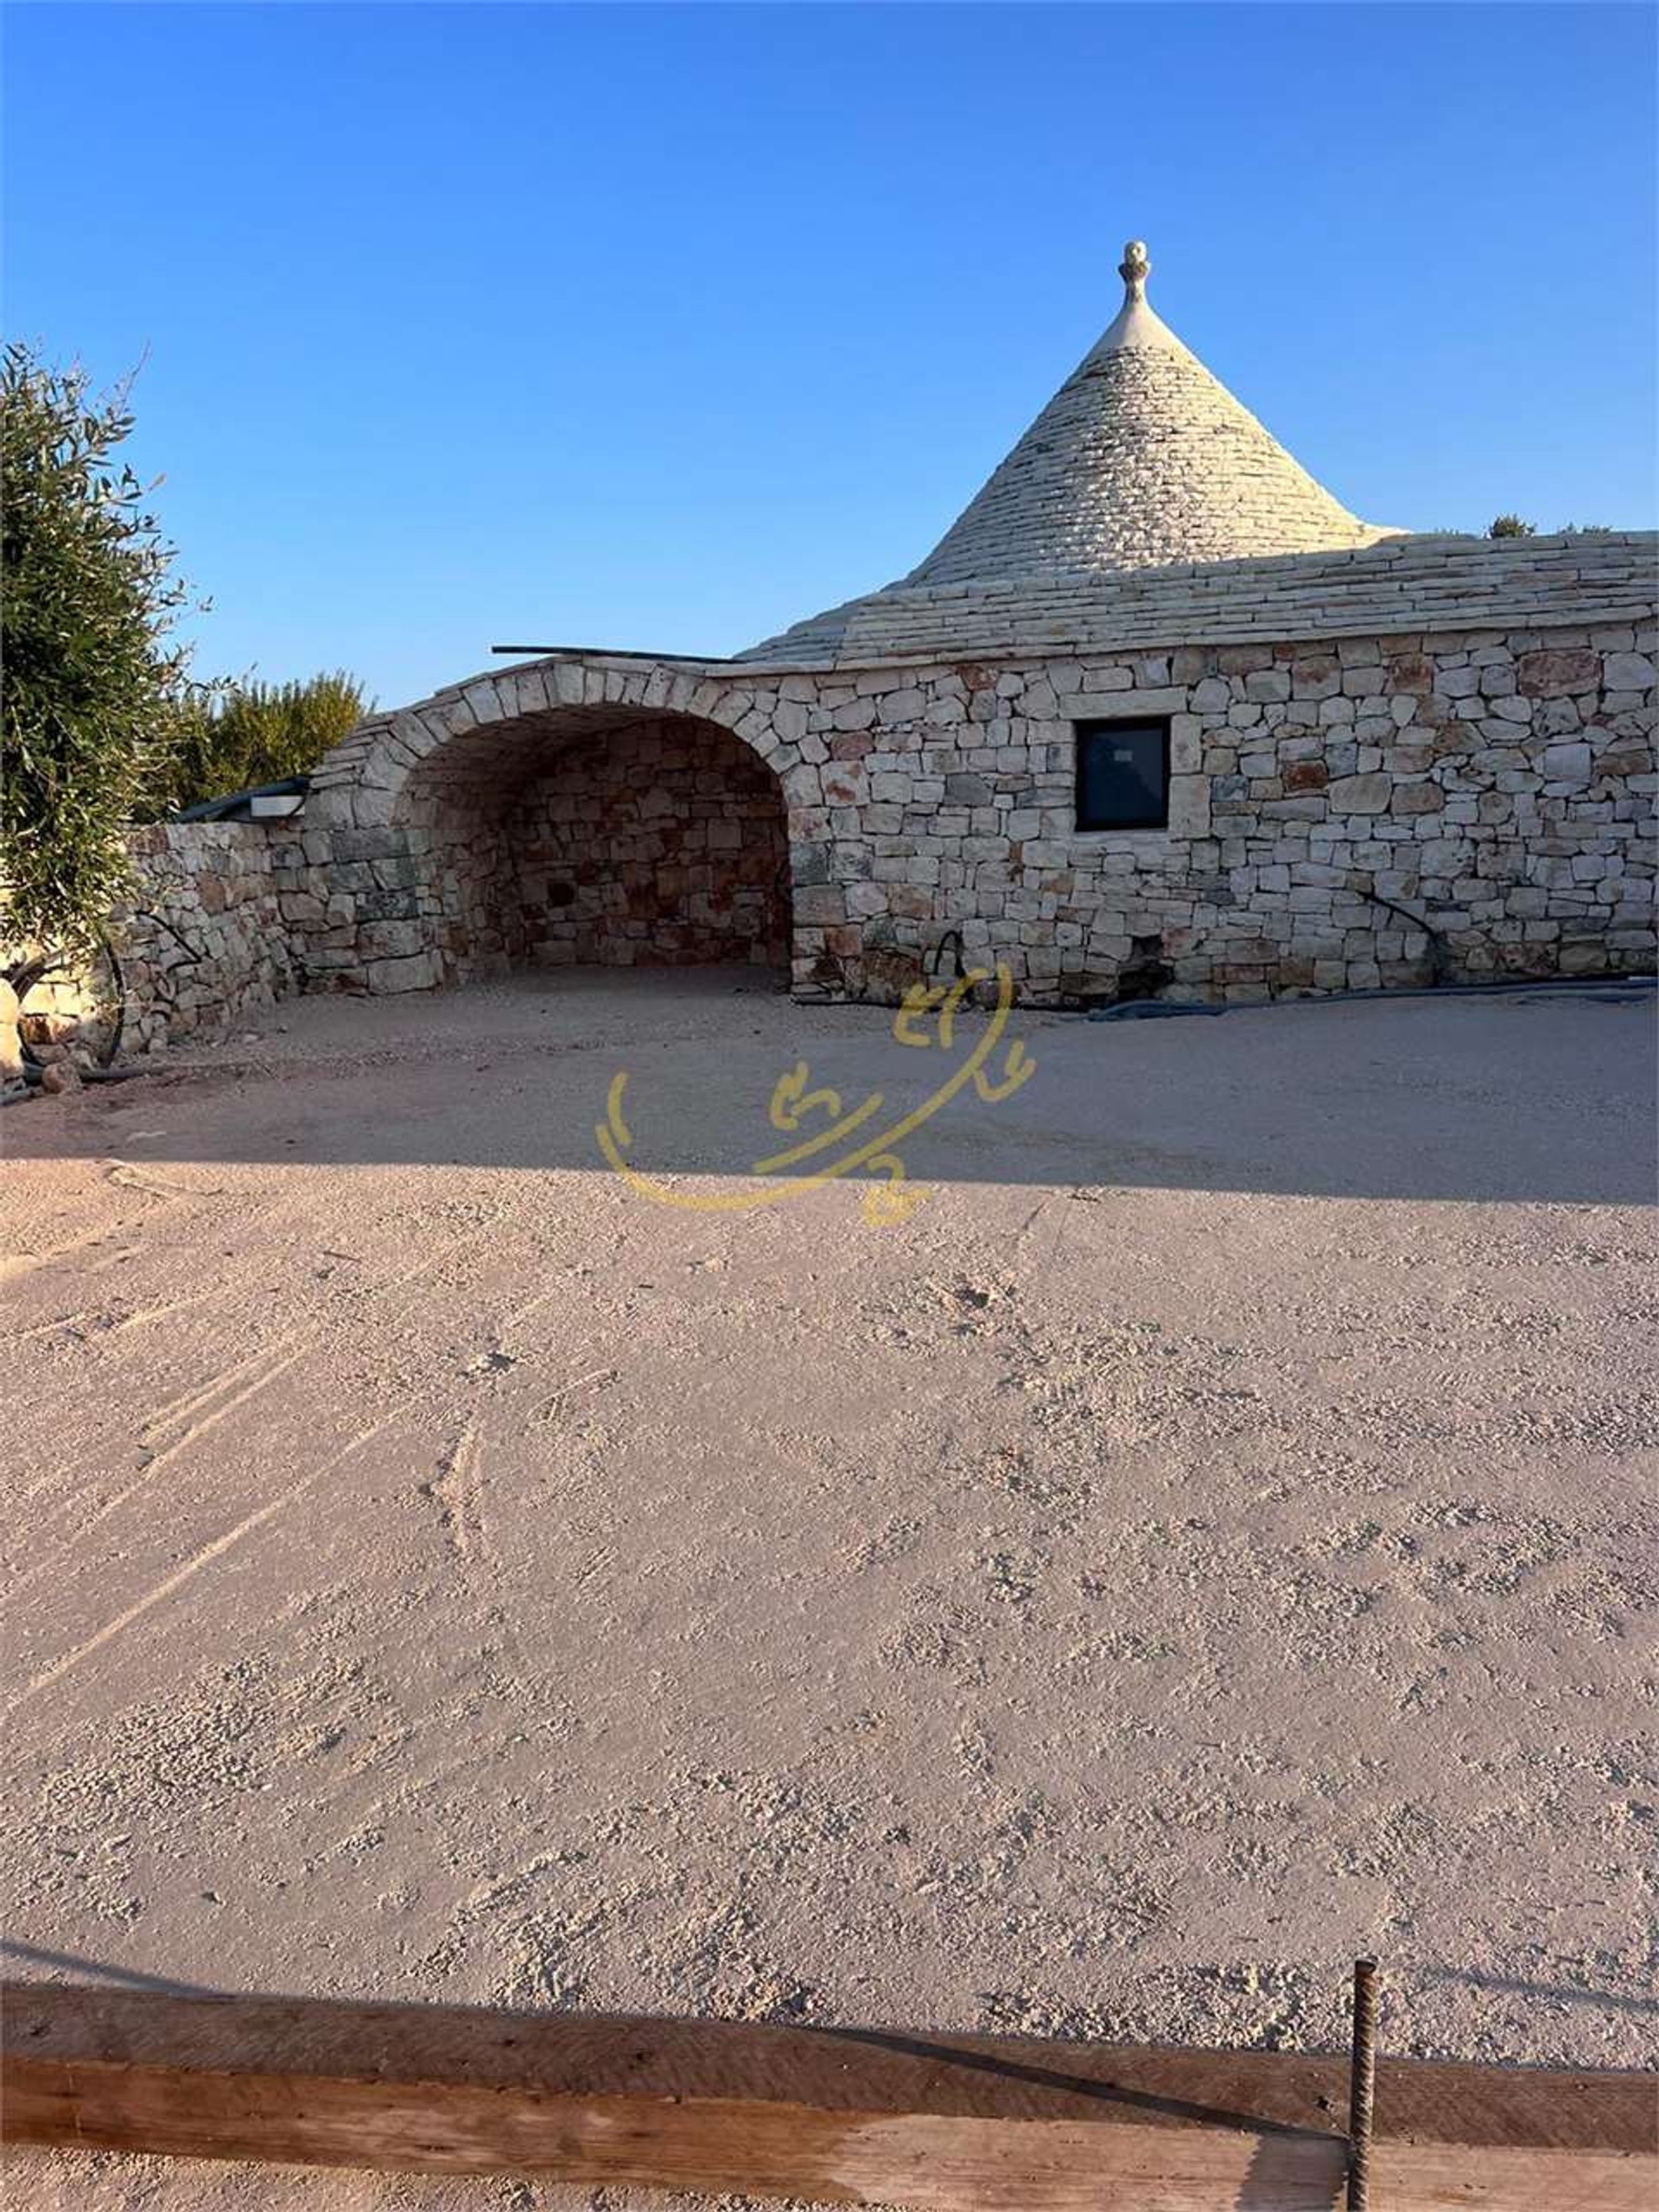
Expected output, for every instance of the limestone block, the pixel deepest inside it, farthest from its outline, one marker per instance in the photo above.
(1550, 673)
(1628, 672)
(1567, 763)
(1267, 684)
(845, 784)
(1167, 701)
(422, 971)
(1189, 806)
(855, 745)
(809, 863)
(1418, 798)
(1585, 956)
(899, 706)
(1367, 794)
(1410, 675)
(823, 903)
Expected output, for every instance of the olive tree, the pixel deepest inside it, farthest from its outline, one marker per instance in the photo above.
(94, 680)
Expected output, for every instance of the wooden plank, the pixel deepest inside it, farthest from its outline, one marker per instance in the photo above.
(945, 2123)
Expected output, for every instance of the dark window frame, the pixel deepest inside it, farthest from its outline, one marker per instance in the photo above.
(1084, 732)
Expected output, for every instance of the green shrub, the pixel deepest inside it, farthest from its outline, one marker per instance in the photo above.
(243, 734)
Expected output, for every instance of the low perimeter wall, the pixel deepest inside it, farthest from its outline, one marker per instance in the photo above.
(207, 938)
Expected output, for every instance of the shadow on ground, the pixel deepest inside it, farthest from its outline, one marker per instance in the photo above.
(1517, 1096)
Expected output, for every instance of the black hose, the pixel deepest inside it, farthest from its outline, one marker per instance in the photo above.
(1630, 987)
(953, 939)
(24, 977)
(1439, 951)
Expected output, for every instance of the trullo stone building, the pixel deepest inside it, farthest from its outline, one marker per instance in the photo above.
(1156, 714)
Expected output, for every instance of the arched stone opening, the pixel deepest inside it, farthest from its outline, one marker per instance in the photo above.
(594, 836)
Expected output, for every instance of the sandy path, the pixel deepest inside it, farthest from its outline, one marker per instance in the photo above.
(1206, 1540)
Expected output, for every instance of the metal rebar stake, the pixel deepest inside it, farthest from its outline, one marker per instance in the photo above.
(1361, 2086)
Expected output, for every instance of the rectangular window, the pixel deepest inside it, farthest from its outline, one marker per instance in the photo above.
(1122, 775)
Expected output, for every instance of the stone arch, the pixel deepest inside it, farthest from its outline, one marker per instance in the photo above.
(457, 828)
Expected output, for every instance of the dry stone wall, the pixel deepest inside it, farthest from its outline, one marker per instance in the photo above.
(661, 846)
(1349, 810)
(647, 840)
(209, 937)
(448, 909)
(1496, 786)
(1345, 813)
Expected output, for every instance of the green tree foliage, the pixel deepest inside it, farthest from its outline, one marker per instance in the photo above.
(1512, 526)
(244, 734)
(93, 679)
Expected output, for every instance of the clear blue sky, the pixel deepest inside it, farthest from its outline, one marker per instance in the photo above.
(666, 327)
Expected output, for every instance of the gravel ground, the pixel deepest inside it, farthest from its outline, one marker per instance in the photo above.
(1210, 1537)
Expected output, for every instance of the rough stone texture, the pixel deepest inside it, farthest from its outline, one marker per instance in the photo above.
(208, 937)
(1348, 809)
(664, 845)
(1399, 584)
(1345, 813)
(1140, 458)
(568, 833)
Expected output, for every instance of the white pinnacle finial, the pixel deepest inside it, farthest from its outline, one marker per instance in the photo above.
(1134, 269)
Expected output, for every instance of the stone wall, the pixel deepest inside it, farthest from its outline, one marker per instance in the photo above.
(207, 938)
(663, 846)
(1345, 812)
(1497, 785)
(209, 941)
(456, 893)
(653, 841)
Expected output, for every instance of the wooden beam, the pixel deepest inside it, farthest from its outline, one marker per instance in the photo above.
(945, 2123)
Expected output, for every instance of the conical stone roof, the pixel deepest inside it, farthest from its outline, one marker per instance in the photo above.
(1140, 460)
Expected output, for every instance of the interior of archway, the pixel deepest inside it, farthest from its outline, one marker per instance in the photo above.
(587, 837)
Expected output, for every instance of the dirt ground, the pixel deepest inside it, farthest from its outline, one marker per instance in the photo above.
(1211, 1537)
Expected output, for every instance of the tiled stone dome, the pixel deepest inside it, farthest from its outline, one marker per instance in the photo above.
(1141, 463)
(1140, 460)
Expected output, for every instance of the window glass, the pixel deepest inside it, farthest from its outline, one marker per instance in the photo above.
(1122, 775)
